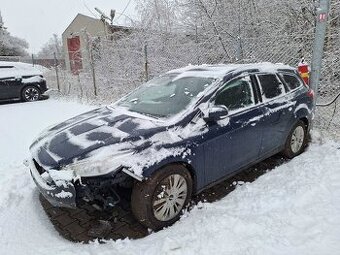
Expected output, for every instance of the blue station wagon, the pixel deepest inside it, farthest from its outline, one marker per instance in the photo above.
(173, 137)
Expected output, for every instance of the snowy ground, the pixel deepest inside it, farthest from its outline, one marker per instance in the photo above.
(294, 209)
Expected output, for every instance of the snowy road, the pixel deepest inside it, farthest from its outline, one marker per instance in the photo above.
(294, 209)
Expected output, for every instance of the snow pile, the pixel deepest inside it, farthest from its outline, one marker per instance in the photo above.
(294, 209)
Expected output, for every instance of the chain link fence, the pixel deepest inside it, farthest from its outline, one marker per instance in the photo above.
(328, 112)
(119, 64)
(290, 50)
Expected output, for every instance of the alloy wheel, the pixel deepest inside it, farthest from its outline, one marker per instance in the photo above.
(297, 139)
(170, 197)
(31, 94)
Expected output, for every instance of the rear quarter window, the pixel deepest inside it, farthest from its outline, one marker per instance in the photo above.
(270, 85)
(6, 72)
(291, 81)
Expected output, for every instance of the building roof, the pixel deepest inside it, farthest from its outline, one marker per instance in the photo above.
(76, 17)
(113, 28)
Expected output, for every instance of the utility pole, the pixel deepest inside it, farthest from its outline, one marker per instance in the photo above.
(318, 47)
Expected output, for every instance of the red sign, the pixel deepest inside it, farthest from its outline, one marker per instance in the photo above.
(74, 53)
(322, 17)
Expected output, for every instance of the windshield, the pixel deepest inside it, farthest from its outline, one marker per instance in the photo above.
(166, 95)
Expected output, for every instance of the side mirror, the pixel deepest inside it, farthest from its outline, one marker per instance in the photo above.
(217, 112)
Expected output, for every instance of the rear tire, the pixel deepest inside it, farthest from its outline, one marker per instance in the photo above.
(30, 94)
(296, 141)
(159, 201)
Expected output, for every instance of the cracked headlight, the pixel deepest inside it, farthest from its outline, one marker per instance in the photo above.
(95, 167)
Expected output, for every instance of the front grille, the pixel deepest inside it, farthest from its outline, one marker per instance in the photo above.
(40, 169)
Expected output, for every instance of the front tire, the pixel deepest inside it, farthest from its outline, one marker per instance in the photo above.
(159, 201)
(296, 141)
(30, 94)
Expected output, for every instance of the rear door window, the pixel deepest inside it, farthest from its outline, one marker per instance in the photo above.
(270, 85)
(236, 95)
(291, 81)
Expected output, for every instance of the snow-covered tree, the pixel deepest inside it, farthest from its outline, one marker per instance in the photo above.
(159, 15)
(182, 32)
(11, 45)
(54, 45)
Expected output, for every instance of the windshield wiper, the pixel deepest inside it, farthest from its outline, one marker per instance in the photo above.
(156, 116)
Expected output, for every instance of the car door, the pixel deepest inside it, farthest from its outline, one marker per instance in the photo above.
(3, 89)
(7, 83)
(14, 87)
(277, 107)
(235, 141)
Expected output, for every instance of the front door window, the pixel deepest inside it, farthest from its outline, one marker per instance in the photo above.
(236, 95)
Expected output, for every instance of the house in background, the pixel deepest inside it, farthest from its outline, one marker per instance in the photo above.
(76, 40)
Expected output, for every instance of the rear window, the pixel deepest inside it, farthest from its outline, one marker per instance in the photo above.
(291, 81)
(271, 86)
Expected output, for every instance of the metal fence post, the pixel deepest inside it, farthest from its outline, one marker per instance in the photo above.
(197, 45)
(56, 70)
(318, 46)
(90, 55)
(146, 63)
(239, 50)
(32, 60)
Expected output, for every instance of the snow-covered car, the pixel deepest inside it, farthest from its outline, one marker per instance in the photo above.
(21, 81)
(173, 137)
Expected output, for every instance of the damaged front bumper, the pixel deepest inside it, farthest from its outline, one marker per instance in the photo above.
(73, 193)
(61, 194)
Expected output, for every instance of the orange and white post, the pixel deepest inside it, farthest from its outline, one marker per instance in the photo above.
(303, 69)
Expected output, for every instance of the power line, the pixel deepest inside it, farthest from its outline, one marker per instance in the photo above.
(122, 13)
(93, 14)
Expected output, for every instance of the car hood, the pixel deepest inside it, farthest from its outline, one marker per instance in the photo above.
(76, 138)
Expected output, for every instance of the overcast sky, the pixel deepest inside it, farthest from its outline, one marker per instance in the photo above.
(36, 20)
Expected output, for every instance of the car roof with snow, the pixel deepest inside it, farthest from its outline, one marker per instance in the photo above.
(17, 70)
(219, 71)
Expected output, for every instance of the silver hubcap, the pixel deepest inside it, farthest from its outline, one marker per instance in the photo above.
(170, 197)
(31, 94)
(297, 139)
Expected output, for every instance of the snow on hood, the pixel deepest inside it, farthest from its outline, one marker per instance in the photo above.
(106, 133)
(75, 138)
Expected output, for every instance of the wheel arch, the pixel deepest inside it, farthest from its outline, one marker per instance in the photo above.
(148, 172)
(306, 121)
(304, 114)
